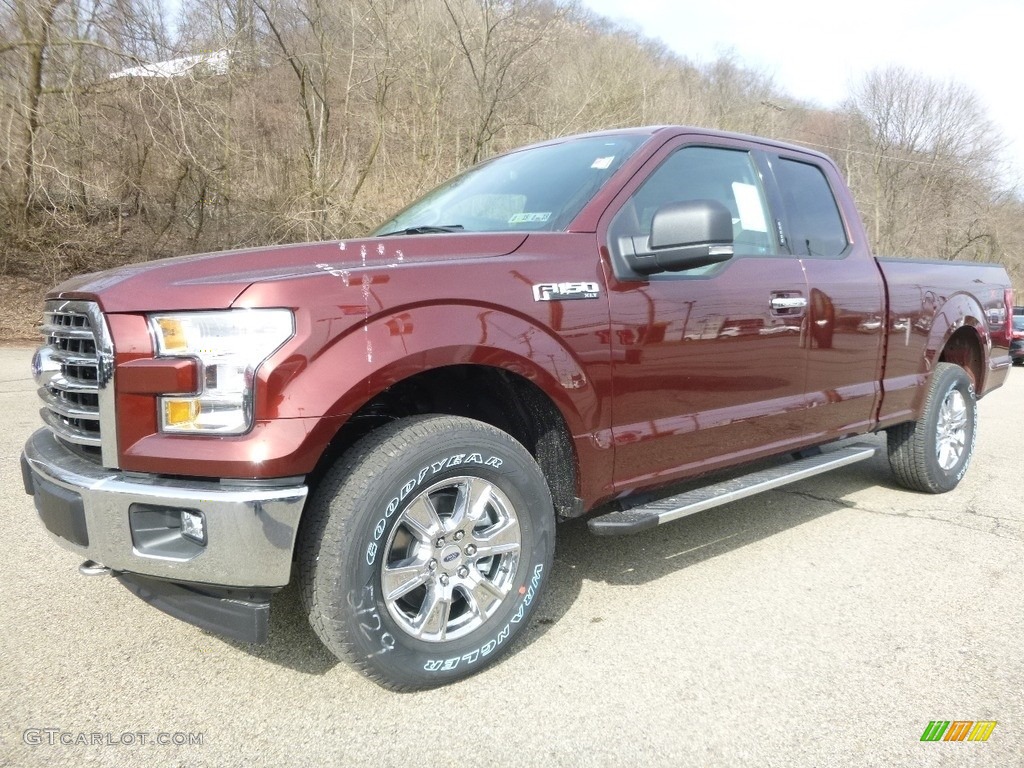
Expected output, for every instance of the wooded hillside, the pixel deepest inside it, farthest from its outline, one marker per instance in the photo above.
(247, 122)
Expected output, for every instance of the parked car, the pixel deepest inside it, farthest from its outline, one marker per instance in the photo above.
(1017, 343)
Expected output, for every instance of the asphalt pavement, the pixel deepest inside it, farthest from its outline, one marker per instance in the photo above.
(823, 624)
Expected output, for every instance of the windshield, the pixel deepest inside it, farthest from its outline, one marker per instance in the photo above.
(538, 189)
(1018, 322)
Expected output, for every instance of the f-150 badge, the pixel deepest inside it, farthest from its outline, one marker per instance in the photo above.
(565, 291)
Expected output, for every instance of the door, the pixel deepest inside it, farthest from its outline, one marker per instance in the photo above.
(847, 303)
(709, 363)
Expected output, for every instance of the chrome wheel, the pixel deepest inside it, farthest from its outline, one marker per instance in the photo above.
(425, 549)
(451, 559)
(951, 430)
(932, 453)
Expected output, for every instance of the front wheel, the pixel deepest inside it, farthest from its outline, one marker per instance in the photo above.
(425, 549)
(933, 453)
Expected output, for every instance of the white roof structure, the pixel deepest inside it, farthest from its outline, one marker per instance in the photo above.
(215, 62)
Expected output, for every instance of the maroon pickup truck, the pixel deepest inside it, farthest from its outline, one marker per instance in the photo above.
(568, 329)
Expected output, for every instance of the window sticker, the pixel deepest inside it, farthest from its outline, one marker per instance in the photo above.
(529, 218)
(749, 203)
(603, 163)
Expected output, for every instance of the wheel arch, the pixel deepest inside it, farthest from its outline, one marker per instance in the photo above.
(463, 359)
(964, 347)
(506, 400)
(960, 335)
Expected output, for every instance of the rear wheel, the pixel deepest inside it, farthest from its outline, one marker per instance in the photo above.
(933, 453)
(425, 549)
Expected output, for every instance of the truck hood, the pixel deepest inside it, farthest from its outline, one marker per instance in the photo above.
(215, 280)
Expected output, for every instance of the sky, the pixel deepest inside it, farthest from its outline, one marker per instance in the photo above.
(814, 50)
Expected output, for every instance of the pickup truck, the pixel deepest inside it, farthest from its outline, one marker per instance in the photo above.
(569, 329)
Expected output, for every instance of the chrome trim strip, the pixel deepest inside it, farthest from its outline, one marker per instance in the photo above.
(66, 409)
(68, 432)
(64, 384)
(73, 359)
(67, 331)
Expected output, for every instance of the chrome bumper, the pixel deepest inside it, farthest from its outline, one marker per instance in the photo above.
(250, 528)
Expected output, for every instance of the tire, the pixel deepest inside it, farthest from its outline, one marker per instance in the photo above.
(933, 453)
(403, 578)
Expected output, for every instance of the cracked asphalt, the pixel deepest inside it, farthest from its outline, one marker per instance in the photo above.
(823, 624)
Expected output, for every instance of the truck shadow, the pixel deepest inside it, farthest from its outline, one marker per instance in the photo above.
(648, 556)
(292, 642)
(627, 560)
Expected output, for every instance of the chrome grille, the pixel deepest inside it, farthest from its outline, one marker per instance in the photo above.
(74, 370)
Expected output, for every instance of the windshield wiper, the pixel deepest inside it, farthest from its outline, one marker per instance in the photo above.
(425, 229)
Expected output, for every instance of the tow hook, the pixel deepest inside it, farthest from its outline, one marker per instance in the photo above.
(92, 568)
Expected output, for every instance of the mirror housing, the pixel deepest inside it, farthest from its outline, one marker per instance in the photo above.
(684, 235)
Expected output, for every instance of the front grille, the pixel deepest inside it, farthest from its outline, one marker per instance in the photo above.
(73, 369)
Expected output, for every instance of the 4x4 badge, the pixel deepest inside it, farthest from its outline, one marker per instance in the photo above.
(565, 291)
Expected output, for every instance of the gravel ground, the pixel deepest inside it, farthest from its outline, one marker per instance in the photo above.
(824, 624)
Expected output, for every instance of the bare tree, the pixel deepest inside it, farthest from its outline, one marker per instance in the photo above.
(302, 40)
(494, 38)
(927, 151)
(34, 21)
(255, 121)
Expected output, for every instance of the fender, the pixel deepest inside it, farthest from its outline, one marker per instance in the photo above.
(959, 310)
(359, 363)
(361, 331)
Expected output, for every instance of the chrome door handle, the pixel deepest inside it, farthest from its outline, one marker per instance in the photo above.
(788, 302)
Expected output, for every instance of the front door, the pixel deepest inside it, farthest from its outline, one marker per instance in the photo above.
(710, 363)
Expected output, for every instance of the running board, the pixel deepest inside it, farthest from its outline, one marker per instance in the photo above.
(666, 510)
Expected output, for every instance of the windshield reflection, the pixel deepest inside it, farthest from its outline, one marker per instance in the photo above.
(539, 189)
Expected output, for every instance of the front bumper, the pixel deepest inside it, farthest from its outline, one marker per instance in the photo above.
(108, 516)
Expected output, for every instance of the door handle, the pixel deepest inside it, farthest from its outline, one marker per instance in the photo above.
(780, 303)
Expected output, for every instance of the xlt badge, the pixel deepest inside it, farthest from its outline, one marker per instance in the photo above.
(565, 291)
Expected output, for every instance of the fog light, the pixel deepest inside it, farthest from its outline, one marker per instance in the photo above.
(193, 526)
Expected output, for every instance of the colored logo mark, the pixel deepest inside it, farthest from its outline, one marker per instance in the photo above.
(958, 730)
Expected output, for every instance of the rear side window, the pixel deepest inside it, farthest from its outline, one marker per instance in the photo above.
(815, 226)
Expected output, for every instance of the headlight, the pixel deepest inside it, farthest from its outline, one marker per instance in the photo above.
(229, 345)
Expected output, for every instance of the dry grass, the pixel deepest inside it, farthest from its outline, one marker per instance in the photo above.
(21, 311)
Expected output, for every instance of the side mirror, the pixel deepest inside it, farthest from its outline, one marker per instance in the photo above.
(685, 235)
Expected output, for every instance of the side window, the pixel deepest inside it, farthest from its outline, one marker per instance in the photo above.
(727, 176)
(815, 226)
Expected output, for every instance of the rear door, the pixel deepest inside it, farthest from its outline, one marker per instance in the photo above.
(846, 309)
